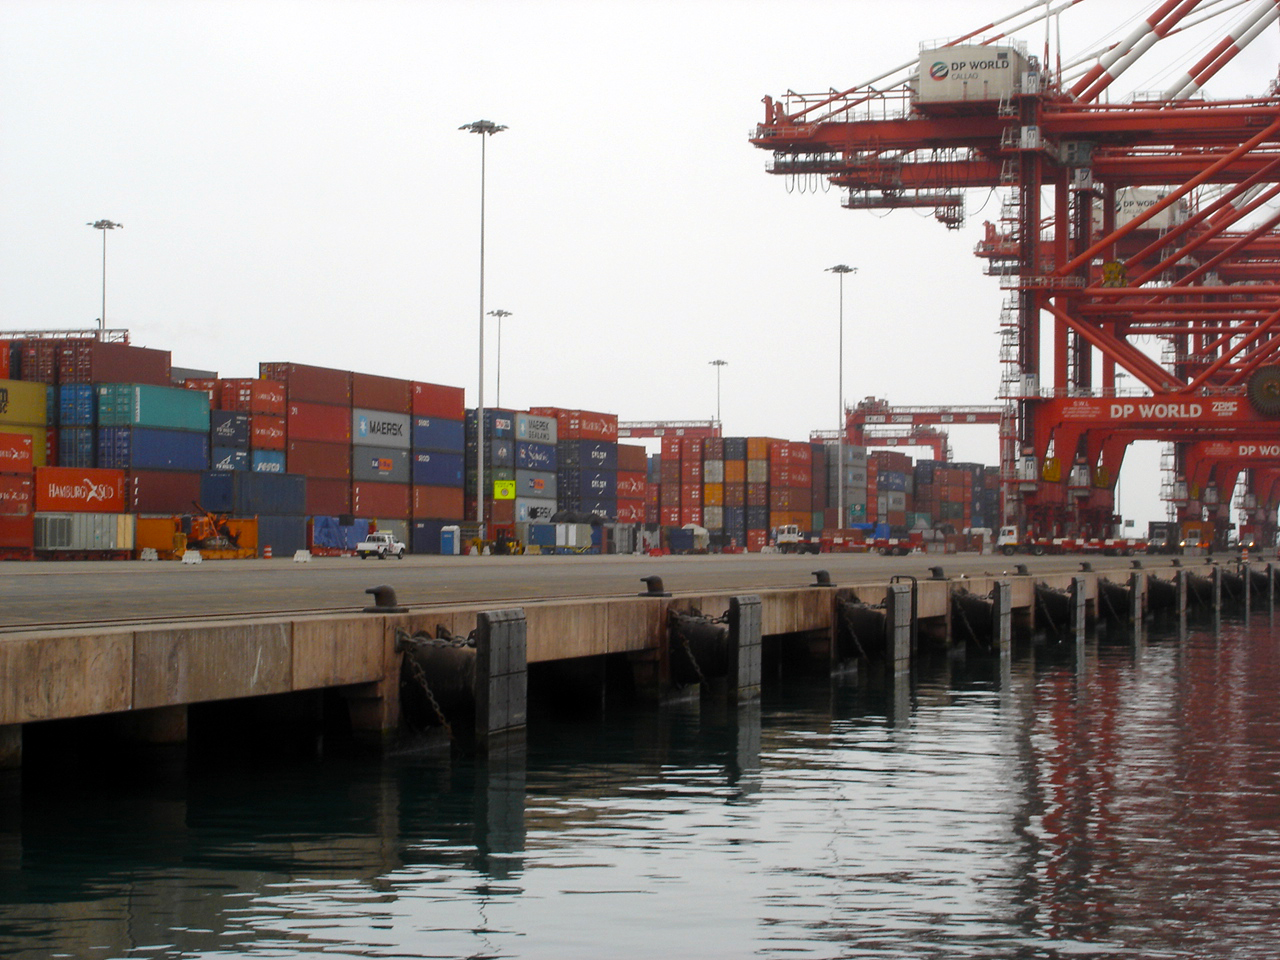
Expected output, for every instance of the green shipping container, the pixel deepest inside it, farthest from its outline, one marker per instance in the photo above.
(163, 408)
(24, 403)
(857, 512)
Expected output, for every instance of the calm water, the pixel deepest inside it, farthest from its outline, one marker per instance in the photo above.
(1124, 803)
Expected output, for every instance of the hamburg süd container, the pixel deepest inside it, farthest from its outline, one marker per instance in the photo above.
(79, 490)
(17, 495)
(252, 396)
(145, 405)
(379, 428)
(17, 453)
(266, 431)
(146, 448)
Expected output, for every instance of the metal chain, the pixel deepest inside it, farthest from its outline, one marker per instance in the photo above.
(405, 643)
(420, 676)
(853, 634)
(684, 643)
(973, 634)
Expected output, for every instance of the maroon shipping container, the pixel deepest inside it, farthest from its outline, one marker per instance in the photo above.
(17, 533)
(327, 461)
(757, 494)
(581, 424)
(691, 448)
(388, 501)
(735, 494)
(310, 384)
(210, 388)
(690, 515)
(39, 361)
(790, 475)
(252, 396)
(690, 471)
(669, 516)
(266, 432)
(785, 498)
(669, 471)
(6, 369)
(161, 491)
(370, 392)
(437, 503)
(669, 495)
(632, 459)
(435, 400)
(691, 495)
(17, 495)
(713, 448)
(653, 513)
(88, 361)
(318, 421)
(670, 449)
(328, 498)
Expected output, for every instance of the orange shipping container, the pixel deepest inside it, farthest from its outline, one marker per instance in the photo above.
(437, 503)
(735, 471)
(713, 495)
(266, 432)
(758, 447)
(79, 490)
(16, 495)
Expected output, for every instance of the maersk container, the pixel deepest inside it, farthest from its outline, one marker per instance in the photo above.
(76, 532)
(964, 74)
(159, 408)
(229, 429)
(433, 433)
(266, 461)
(535, 456)
(387, 464)
(284, 535)
(229, 458)
(77, 405)
(536, 485)
(380, 428)
(588, 454)
(435, 469)
(534, 429)
(534, 511)
(144, 448)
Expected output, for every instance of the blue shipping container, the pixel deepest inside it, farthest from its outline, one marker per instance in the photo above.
(588, 484)
(229, 458)
(331, 534)
(77, 406)
(432, 433)
(435, 469)
(144, 448)
(535, 456)
(588, 454)
(228, 428)
(284, 535)
(76, 447)
(246, 494)
(266, 461)
(498, 424)
(425, 536)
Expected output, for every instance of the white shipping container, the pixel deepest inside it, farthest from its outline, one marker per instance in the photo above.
(969, 73)
(713, 518)
(535, 429)
(378, 428)
(529, 510)
(84, 531)
(757, 471)
(713, 471)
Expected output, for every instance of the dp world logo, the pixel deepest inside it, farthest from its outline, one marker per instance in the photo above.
(939, 71)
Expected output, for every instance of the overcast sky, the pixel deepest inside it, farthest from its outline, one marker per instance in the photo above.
(293, 186)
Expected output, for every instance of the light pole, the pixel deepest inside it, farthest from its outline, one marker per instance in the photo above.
(497, 400)
(718, 364)
(104, 226)
(486, 129)
(840, 269)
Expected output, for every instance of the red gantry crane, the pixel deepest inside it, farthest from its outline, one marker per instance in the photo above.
(1151, 221)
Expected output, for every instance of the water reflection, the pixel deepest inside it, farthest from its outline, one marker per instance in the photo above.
(1117, 799)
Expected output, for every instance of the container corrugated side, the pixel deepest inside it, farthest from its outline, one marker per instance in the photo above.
(17, 453)
(373, 392)
(380, 500)
(386, 464)
(436, 433)
(437, 400)
(23, 403)
(310, 384)
(379, 428)
(145, 448)
(17, 495)
(145, 405)
(436, 503)
(229, 458)
(84, 531)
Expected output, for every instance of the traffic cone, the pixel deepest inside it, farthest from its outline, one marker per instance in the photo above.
(266, 552)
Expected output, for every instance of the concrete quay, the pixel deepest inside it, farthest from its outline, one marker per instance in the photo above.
(147, 675)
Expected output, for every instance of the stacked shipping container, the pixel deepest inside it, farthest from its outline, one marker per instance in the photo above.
(17, 494)
(537, 462)
(438, 449)
(587, 460)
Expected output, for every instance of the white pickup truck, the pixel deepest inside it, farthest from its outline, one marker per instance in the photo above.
(380, 545)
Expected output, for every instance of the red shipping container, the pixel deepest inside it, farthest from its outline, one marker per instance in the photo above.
(669, 516)
(252, 396)
(782, 474)
(266, 432)
(501, 512)
(691, 449)
(691, 495)
(713, 448)
(162, 491)
(371, 392)
(386, 500)
(580, 424)
(631, 511)
(437, 503)
(328, 498)
(79, 490)
(669, 471)
(17, 495)
(786, 498)
(690, 471)
(89, 361)
(310, 384)
(16, 453)
(327, 461)
(757, 540)
(39, 361)
(17, 533)
(652, 513)
(210, 388)
(318, 421)
(5, 369)
(632, 459)
(631, 486)
(670, 449)
(434, 400)
(690, 515)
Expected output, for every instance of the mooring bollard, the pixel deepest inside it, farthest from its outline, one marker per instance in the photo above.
(501, 673)
(746, 648)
